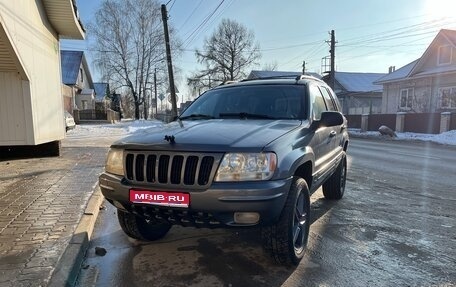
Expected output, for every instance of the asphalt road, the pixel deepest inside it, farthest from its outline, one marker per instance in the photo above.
(395, 226)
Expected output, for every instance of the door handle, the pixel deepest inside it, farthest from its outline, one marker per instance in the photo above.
(332, 134)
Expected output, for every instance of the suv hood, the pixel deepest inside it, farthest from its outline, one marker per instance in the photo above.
(218, 135)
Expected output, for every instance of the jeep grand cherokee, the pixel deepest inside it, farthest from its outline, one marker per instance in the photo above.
(242, 154)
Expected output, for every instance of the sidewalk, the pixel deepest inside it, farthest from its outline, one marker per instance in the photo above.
(42, 201)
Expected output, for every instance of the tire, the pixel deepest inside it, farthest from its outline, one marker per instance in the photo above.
(141, 229)
(286, 240)
(334, 187)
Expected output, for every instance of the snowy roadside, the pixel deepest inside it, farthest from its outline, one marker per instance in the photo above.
(127, 127)
(447, 138)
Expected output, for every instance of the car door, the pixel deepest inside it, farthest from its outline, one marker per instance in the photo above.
(336, 132)
(322, 137)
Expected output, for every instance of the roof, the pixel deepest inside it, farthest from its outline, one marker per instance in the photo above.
(100, 91)
(399, 74)
(256, 74)
(415, 68)
(359, 82)
(71, 63)
(64, 18)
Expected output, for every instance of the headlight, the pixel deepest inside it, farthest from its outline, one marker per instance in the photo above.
(114, 163)
(246, 166)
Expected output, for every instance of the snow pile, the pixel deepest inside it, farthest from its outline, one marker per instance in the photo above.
(123, 128)
(447, 138)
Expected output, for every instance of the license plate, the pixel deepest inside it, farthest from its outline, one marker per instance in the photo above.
(172, 199)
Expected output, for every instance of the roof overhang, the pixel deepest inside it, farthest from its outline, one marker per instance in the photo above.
(64, 17)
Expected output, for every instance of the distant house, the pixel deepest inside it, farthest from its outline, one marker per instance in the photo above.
(257, 74)
(357, 92)
(79, 92)
(31, 110)
(102, 99)
(427, 84)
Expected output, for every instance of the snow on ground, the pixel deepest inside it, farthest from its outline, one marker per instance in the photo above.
(447, 138)
(123, 128)
(127, 127)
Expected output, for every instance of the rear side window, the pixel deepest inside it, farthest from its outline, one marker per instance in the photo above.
(317, 102)
(328, 99)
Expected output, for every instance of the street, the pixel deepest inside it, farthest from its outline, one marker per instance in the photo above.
(395, 226)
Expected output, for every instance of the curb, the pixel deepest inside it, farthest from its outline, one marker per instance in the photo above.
(67, 268)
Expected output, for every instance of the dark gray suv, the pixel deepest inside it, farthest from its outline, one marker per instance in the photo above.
(241, 155)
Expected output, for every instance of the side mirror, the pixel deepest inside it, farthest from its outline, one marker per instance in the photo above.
(330, 119)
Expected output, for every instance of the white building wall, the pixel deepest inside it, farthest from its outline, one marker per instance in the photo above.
(39, 113)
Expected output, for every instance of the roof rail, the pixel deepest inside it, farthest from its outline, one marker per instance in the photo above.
(296, 78)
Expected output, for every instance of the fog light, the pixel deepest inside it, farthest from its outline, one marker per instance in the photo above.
(246, 217)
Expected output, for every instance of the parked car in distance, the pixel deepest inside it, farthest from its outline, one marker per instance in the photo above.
(69, 121)
(241, 155)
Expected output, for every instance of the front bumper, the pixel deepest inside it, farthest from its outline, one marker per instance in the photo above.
(208, 208)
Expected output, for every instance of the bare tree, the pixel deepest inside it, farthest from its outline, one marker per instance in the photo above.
(129, 44)
(226, 54)
(272, 66)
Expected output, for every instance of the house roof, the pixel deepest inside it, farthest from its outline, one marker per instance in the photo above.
(257, 74)
(64, 18)
(100, 91)
(415, 68)
(71, 62)
(399, 74)
(359, 82)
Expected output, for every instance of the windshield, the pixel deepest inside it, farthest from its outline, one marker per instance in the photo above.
(250, 102)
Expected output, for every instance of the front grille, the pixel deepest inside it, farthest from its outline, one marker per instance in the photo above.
(161, 168)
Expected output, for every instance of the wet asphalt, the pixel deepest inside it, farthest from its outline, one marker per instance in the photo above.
(395, 226)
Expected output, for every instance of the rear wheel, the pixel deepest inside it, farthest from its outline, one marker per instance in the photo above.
(334, 187)
(286, 240)
(140, 228)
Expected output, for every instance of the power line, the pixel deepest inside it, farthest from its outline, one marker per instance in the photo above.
(191, 14)
(196, 31)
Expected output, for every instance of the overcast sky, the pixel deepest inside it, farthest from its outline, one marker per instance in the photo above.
(371, 35)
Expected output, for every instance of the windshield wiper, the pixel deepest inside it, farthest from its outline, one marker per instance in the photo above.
(246, 116)
(197, 117)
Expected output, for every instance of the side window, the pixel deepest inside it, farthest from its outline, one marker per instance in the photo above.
(317, 102)
(328, 99)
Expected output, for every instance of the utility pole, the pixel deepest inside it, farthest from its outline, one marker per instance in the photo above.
(303, 67)
(333, 56)
(155, 91)
(172, 89)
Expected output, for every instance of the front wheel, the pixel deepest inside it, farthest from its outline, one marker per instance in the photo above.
(140, 228)
(286, 240)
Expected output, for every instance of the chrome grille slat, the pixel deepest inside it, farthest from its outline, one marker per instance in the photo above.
(171, 169)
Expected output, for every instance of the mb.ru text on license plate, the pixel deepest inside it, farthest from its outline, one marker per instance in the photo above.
(173, 199)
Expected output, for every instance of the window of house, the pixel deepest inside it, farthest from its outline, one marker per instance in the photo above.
(447, 97)
(445, 55)
(82, 75)
(406, 99)
(84, 104)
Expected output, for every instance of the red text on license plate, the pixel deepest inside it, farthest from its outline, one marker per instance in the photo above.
(174, 199)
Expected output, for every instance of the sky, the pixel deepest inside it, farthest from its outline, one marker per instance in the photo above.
(370, 35)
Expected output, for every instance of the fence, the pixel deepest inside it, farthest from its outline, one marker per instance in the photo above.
(429, 123)
(422, 123)
(354, 121)
(453, 121)
(377, 120)
(90, 115)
